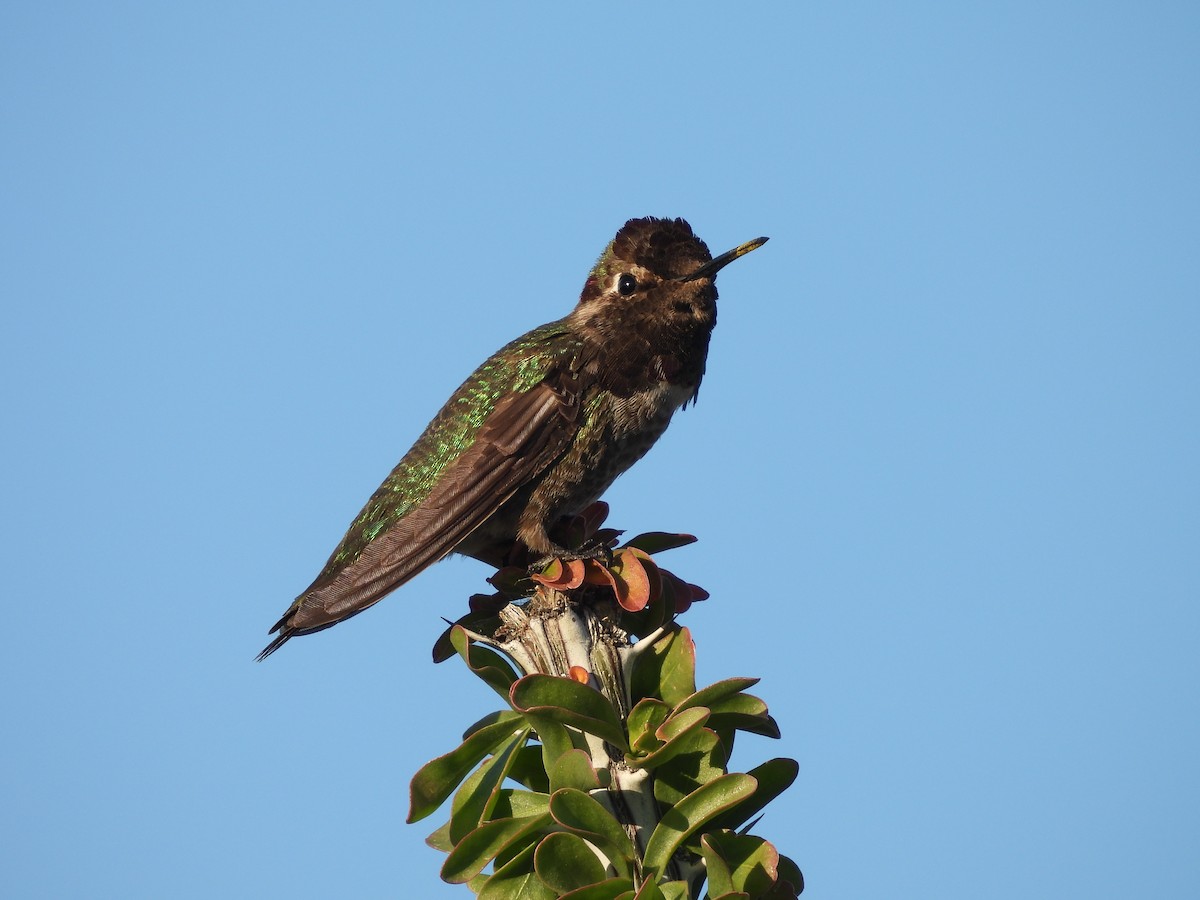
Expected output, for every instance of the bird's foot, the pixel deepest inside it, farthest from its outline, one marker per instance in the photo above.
(596, 549)
(593, 549)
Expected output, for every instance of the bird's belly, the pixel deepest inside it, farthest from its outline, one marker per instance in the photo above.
(622, 431)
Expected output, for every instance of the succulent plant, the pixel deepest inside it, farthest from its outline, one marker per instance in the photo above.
(607, 775)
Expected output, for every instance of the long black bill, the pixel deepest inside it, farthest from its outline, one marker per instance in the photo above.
(713, 266)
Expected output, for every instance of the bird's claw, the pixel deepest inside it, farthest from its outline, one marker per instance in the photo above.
(597, 550)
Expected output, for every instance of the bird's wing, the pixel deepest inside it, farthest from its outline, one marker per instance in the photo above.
(520, 438)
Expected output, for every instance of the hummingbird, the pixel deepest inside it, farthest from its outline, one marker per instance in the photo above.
(540, 430)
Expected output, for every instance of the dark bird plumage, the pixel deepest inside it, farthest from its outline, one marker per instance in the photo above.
(540, 430)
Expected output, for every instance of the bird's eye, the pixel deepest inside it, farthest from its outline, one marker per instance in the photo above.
(626, 285)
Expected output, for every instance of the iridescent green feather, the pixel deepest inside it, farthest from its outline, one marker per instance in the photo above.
(515, 368)
(600, 270)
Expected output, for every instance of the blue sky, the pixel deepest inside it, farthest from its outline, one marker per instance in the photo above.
(943, 466)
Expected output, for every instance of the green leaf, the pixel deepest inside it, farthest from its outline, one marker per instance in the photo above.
(667, 671)
(585, 816)
(681, 722)
(727, 736)
(529, 769)
(739, 704)
(649, 891)
(718, 869)
(475, 799)
(658, 541)
(574, 770)
(437, 779)
(678, 676)
(789, 874)
(750, 863)
(516, 880)
(570, 703)
(774, 777)
(566, 863)
(744, 712)
(644, 720)
(694, 761)
(440, 839)
(516, 804)
(675, 890)
(492, 718)
(695, 740)
(605, 890)
(556, 740)
(481, 846)
(692, 812)
(487, 664)
(712, 695)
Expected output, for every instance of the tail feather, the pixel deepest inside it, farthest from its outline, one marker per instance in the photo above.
(279, 641)
(287, 632)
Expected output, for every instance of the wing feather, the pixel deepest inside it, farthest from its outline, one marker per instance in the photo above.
(518, 441)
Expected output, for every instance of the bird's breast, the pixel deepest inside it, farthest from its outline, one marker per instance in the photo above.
(650, 408)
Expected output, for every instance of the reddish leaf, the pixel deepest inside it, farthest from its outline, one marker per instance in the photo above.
(631, 583)
(481, 622)
(653, 573)
(658, 541)
(681, 594)
(607, 536)
(572, 534)
(659, 608)
(561, 575)
(573, 577)
(487, 603)
(684, 594)
(595, 573)
(509, 581)
(551, 574)
(593, 517)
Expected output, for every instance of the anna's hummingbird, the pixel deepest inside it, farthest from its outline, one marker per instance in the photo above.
(540, 430)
